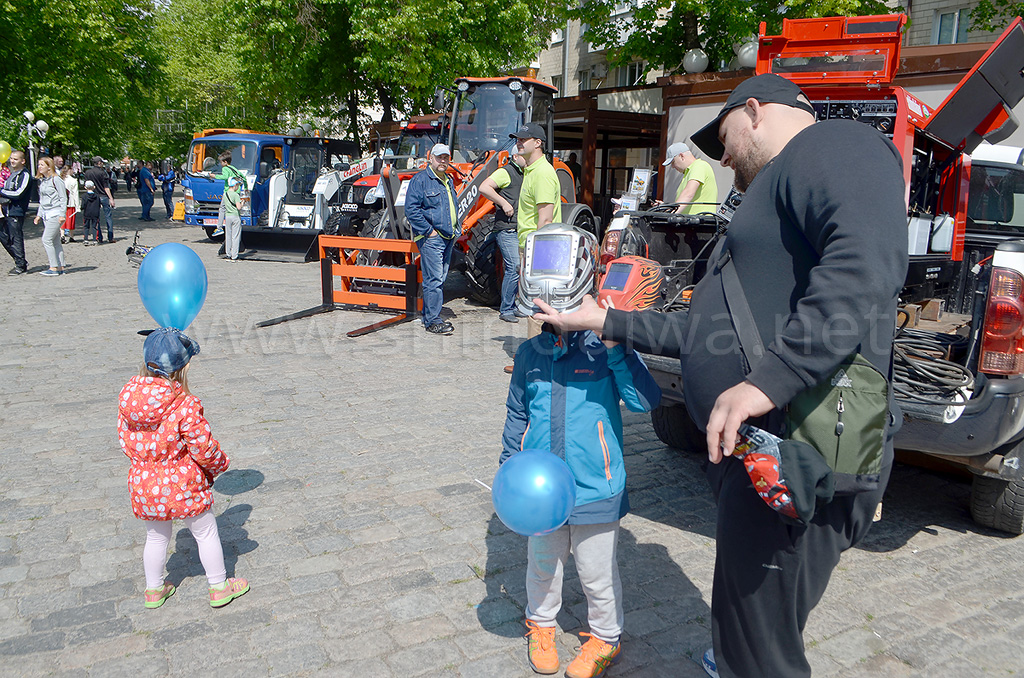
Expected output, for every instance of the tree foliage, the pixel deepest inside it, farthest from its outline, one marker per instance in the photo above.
(995, 15)
(661, 31)
(87, 68)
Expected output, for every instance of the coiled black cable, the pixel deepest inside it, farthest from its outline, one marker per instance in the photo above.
(920, 373)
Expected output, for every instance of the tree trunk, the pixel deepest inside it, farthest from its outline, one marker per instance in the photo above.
(385, 102)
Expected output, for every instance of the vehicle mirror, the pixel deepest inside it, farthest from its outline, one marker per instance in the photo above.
(438, 103)
(264, 169)
(523, 100)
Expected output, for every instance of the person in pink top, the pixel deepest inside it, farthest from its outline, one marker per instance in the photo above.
(174, 459)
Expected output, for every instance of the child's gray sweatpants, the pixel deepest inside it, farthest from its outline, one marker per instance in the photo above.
(595, 549)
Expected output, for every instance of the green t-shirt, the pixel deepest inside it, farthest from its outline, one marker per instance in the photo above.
(231, 197)
(707, 193)
(501, 178)
(228, 171)
(540, 185)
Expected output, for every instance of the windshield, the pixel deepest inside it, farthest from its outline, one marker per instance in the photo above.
(411, 150)
(202, 156)
(996, 198)
(484, 117)
(305, 166)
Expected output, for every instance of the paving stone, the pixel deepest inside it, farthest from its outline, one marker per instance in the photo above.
(353, 508)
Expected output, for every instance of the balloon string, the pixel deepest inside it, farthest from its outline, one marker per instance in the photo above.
(484, 484)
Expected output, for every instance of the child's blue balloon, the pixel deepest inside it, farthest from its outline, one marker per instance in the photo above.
(534, 492)
(172, 284)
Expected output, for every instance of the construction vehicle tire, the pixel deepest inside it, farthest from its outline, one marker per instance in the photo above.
(377, 226)
(484, 266)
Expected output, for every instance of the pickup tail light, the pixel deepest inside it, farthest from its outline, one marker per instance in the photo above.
(610, 246)
(1002, 344)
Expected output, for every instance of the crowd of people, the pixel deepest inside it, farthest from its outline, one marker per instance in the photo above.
(68, 195)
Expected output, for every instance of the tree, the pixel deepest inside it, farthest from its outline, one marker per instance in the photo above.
(340, 55)
(995, 15)
(87, 68)
(661, 31)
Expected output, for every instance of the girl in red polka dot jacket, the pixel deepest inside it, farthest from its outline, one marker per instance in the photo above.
(175, 458)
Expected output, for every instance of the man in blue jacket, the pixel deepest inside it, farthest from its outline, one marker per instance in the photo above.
(430, 208)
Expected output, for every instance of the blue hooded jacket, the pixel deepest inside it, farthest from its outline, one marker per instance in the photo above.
(564, 397)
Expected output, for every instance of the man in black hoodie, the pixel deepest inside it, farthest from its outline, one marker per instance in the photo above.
(16, 193)
(819, 245)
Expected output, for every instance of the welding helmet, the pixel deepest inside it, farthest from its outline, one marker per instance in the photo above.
(632, 283)
(558, 266)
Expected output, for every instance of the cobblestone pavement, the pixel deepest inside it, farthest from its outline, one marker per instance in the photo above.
(354, 508)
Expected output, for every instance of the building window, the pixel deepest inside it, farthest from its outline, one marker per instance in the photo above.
(556, 82)
(951, 27)
(557, 35)
(631, 74)
(584, 78)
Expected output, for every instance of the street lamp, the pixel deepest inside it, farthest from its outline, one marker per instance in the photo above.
(34, 127)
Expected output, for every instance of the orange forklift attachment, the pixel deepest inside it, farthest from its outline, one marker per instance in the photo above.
(391, 289)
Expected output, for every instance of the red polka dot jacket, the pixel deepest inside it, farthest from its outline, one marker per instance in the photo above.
(174, 456)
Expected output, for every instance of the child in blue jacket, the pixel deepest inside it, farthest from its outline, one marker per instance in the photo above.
(564, 397)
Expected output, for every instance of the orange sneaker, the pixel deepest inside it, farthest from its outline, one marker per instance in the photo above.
(595, 656)
(542, 652)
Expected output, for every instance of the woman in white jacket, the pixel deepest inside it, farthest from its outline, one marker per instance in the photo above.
(74, 203)
(53, 205)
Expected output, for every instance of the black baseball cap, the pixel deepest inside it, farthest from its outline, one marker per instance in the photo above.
(530, 130)
(768, 89)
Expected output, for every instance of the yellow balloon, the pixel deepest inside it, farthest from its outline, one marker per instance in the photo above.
(5, 151)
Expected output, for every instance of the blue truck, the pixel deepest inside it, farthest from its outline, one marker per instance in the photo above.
(256, 154)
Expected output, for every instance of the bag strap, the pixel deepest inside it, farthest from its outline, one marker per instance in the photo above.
(739, 310)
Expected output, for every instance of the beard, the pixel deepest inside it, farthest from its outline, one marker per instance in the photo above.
(748, 161)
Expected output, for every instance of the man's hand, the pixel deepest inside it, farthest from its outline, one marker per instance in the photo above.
(508, 210)
(589, 316)
(731, 409)
(36, 221)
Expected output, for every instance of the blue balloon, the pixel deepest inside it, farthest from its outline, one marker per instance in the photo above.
(534, 492)
(172, 284)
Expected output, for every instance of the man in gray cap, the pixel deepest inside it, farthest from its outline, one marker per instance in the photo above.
(698, 191)
(819, 247)
(430, 208)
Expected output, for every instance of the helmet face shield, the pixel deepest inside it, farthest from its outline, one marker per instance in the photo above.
(558, 266)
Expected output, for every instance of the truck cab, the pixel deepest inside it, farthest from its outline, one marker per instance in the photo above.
(255, 154)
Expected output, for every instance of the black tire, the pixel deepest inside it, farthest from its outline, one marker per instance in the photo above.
(209, 234)
(998, 504)
(673, 426)
(378, 226)
(484, 264)
(333, 221)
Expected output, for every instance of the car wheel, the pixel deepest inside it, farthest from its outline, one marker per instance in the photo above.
(673, 426)
(998, 504)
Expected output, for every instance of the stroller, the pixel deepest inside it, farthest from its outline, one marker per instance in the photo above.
(136, 252)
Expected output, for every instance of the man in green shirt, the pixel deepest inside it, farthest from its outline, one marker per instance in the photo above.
(540, 200)
(698, 192)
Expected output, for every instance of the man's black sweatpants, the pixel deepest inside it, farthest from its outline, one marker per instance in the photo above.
(769, 574)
